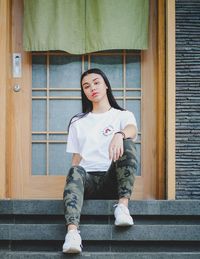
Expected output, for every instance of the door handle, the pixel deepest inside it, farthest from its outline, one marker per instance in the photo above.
(16, 88)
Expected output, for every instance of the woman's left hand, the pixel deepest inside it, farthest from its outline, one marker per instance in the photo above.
(116, 147)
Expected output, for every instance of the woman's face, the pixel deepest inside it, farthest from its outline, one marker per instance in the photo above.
(94, 87)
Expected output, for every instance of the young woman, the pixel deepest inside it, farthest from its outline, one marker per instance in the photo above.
(104, 156)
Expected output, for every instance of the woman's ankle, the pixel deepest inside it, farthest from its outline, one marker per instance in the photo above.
(124, 200)
(71, 227)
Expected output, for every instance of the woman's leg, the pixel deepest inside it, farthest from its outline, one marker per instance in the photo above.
(119, 180)
(125, 170)
(73, 196)
(79, 185)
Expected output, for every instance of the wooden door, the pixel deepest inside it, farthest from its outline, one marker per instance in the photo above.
(50, 94)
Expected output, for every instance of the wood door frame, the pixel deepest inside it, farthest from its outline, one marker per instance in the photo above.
(16, 103)
(159, 68)
(161, 101)
(155, 59)
(5, 8)
(171, 99)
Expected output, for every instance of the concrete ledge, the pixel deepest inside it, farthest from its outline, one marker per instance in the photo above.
(102, 232)
(99, 255)
(101, 207)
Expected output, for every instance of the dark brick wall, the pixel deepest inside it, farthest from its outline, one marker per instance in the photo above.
(187, 99)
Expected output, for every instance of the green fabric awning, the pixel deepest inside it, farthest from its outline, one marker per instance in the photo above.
(84, 26)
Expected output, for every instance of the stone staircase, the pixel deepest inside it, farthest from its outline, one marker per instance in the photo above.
(163, 229)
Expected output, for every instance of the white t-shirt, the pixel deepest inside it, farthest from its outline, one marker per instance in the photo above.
(91, 135)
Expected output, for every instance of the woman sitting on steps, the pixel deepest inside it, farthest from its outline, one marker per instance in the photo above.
(104, 156)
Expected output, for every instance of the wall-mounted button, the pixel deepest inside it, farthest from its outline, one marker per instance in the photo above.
(17, 65)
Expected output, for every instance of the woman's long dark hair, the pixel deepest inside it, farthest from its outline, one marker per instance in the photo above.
(87, 104)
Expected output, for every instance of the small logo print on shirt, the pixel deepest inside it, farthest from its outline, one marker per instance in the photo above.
(108, 130)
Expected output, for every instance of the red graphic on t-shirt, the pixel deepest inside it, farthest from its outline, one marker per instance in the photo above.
(108, 130)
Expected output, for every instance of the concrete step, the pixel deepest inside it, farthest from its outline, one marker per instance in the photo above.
(92, 232)
(101, 207)
(99, 255)
(161, 228)
(100, 212)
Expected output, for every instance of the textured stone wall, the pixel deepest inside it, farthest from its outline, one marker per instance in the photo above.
(187, 99)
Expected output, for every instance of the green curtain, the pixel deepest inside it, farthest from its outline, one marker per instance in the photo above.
(84, 26)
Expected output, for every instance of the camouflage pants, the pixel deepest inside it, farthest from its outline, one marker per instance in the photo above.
(116, 183)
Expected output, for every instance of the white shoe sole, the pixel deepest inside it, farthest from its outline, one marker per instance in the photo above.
(72, 250)
(123, 223)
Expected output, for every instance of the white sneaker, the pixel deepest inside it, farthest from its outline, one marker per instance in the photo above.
(73, 242)
(122, 216)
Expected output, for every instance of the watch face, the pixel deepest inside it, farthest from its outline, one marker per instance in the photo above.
(108, 130)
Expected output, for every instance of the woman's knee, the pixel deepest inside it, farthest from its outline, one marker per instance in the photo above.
(129, 147)
(76, 173)
(130, 154)
(75, 182)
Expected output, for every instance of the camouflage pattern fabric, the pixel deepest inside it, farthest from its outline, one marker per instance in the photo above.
(117, 182)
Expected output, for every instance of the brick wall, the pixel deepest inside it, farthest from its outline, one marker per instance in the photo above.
(188, 99)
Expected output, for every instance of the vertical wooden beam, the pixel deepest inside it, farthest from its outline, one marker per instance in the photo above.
(149, 61)
(4, 68)
(161, 112)
(171, 94)
(19, 124)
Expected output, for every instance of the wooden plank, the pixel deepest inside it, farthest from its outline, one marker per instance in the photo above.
(4, 54)
(148, 78)
(161, 155)
(170, 98)
(19, 126)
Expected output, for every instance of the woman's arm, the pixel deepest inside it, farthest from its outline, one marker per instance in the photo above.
(116, 148)
(129, 131)
(76, 158)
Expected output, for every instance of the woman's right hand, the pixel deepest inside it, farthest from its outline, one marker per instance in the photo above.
(116, 147)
